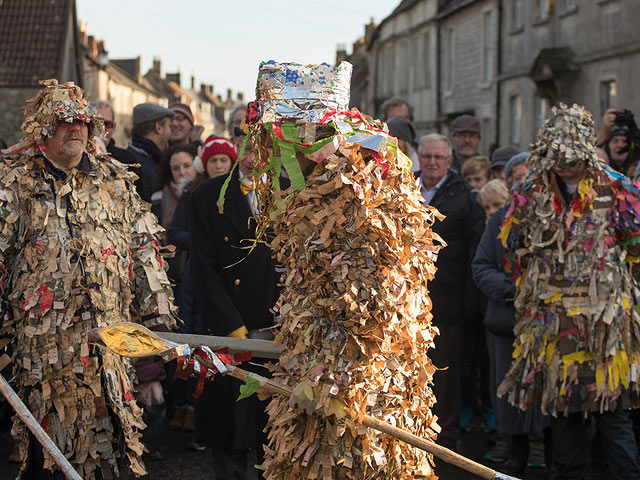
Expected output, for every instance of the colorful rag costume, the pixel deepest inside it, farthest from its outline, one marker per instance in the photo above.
(357, 252)
(78, 251)
(573, 257)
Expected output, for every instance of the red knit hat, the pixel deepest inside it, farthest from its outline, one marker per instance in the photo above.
(183, 109)
(216, 145)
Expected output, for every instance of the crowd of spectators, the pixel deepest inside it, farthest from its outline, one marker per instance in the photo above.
(219, 291)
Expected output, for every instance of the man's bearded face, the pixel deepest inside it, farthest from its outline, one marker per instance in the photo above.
(69, 139)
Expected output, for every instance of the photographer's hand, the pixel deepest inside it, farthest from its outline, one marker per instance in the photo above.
(608, 121)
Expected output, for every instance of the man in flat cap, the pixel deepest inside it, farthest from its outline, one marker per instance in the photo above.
(465, 138)
(78, 251)
(151, 132)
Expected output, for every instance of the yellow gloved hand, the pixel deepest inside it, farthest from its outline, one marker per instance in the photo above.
(239, 332)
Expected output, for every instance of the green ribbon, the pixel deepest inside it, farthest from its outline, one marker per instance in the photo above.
(223, 191)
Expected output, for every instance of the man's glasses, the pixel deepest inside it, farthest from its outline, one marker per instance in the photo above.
(437, 158)
(108, 124)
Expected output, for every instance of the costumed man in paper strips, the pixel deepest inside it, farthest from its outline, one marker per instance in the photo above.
(78, 251)
(357, 250)
(572, 236)
(235, 288)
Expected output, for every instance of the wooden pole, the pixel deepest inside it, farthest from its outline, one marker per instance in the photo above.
(33, 425)
(429, 446)
(258, 348)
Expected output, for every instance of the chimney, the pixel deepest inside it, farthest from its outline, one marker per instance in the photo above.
(369, 30)
(91, 42)
(240, 97)
(193, 82)
(156, 65)
(173, 77)
(206, 89)
(341, 53)
(219, 97)
(228, 94)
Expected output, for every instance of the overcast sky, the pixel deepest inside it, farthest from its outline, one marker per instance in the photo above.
(223, 42)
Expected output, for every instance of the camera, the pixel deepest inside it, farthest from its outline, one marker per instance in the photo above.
(624, 117)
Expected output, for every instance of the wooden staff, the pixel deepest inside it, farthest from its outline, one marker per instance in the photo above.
(258, 348)
(274, 388)
(33, 425)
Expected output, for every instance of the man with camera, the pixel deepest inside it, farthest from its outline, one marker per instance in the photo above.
(618, 137)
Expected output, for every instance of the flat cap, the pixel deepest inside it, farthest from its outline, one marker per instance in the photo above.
(149, 112)
(501, 156)
(465, 123)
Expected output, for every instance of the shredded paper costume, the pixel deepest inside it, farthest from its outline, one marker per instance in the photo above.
(577, 346)
(357, 251)
(78, 252)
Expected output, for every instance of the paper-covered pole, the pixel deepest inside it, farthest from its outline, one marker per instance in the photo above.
(38, 432)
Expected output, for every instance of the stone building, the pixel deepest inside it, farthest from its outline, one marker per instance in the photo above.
(586, 52)
(467, 66)
(402, 62)
(116, 80)
(504, 61)
(38, 40)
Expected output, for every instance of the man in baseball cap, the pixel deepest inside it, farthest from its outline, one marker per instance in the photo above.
(181, 124)
(151, 131)
(465, 137)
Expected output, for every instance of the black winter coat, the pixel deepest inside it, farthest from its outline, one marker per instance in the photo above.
(491, 279)
(449, 291)
(232, 288)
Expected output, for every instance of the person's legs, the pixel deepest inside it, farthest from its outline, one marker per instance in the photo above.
(446, 383)
(616, 429)
(569, 454)
(229, 464)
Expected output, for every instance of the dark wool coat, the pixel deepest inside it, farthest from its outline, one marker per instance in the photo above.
(233, 288)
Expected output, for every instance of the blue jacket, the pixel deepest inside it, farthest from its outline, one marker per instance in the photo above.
(492, 280)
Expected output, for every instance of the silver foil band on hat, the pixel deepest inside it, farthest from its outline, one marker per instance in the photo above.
(290, 91)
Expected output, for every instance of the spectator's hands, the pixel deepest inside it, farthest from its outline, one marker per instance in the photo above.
(608, 121)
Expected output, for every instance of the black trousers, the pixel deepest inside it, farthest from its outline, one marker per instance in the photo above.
(569, 454)
(447, 354)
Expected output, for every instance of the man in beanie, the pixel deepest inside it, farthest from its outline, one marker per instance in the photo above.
(78, 252)
(499, 160)
(571, 234)
(151, 132)
(181, 124)
(465, 138)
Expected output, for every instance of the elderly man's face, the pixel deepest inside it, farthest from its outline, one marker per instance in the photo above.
(434, 162)
(68, 142)
(465, 143)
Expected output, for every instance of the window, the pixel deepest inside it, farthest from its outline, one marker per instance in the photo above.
(426, 59)
(451, 59)
(488, 46)
(516, 116)
(543, 9)
(608, 93)
(402, 67)
(518, 21)
(570, 5)
(486, 134)
(542, 111)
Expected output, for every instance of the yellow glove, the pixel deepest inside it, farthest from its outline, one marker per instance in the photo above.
(239, 332)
